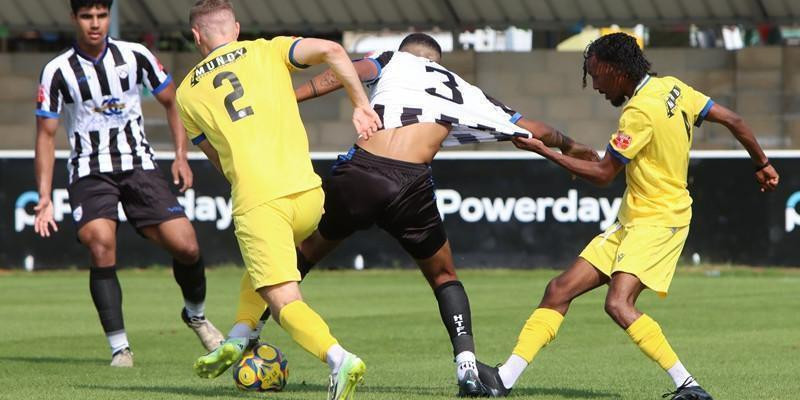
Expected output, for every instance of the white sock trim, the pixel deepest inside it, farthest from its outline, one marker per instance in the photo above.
(194, 309)
(511, 370)
(334, 357)
(240, 330)
(680, 375)
(465, 361)
(117, 340)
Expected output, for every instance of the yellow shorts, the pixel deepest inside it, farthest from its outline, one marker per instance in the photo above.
(649, 252)
(269, 233)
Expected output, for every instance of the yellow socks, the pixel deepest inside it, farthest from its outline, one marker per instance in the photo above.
(251, 305)
(307, 328)
(646, 333)
(539, 330)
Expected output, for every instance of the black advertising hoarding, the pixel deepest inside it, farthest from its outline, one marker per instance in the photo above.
(500, 210)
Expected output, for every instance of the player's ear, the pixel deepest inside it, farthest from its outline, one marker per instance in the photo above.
(237, 30)
(196, 35)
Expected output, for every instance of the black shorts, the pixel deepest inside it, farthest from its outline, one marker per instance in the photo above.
(144, 194)
(365, 189)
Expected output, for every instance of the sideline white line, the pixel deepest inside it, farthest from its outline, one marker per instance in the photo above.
(443, 155)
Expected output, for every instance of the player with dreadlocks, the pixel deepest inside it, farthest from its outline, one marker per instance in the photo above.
(641, 250)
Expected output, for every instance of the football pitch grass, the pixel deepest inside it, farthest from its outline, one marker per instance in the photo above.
(738, 332)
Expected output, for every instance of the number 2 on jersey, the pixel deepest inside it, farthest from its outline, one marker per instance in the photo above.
(238, 92)
(451, 84)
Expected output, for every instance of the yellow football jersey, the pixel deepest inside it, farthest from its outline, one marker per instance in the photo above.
(653, 141)
(240, 98)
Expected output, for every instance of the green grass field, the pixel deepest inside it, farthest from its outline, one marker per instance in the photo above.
(738, 332)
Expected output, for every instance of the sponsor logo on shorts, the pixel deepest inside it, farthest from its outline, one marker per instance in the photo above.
(77, 213)
(175, 209)
(622, 141)
(620, 256)
(792, 215)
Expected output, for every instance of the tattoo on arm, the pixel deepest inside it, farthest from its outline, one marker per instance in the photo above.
(313, 88)
(563, 140)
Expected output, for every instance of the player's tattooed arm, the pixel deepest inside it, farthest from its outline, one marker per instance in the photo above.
(327, 81)
(552, 137)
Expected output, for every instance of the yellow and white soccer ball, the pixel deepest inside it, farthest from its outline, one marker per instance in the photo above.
(263, 369)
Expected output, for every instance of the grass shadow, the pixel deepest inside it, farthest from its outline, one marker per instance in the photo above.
(566, 393)
(55, 360)
(201, 391)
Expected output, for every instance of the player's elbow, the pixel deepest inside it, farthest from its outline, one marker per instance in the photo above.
(603, 177)
(332, 50)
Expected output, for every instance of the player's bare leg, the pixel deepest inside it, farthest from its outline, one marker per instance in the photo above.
(624, 290)
(454, 309)
(542, 326)
(177, 236)
(100, 236)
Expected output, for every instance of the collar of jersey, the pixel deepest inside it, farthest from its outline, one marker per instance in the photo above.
(88, 57)
(219, 47)
(641, 84)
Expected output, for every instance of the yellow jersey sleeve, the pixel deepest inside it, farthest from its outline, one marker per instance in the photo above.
(194, 132)
(699, 104)
(634, 133)
(282, 48)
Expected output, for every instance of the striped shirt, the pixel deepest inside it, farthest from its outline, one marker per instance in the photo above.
(410, 89)
(100, 99)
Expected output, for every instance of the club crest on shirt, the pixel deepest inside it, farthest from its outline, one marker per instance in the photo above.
(122, 71)
(622, 141)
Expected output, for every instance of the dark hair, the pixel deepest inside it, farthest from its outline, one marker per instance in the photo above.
(421, 39)
(620, 50)
(78, 4)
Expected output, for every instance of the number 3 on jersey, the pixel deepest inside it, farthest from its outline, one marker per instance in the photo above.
(238, 92)
(450, 84)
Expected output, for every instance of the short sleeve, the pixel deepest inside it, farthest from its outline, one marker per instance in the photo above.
(634, 133)
(380, 62)
(192, 130)
(149, 70)
(700, 104)
(284, 46)
(51, 92)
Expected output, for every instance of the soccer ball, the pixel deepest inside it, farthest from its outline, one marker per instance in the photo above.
(263, 369)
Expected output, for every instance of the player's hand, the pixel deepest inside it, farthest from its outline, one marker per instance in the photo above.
(581, 151)
(182, 174)
(767, 178)
(366, 121)
(44, 218)
(529, 144)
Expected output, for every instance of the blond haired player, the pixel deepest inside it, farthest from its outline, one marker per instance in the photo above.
(238, 106)
(640, 251)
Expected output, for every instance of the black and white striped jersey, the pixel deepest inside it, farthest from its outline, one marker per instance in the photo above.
(101, 104)
(410, 89)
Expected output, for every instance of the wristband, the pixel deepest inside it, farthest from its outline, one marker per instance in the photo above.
(760, 167)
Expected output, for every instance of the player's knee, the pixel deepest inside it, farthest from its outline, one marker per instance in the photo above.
(100, 247)
(616, 307)
(187, 253)
(557, 292)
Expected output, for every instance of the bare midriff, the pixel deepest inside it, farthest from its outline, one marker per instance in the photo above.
(416, 143)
